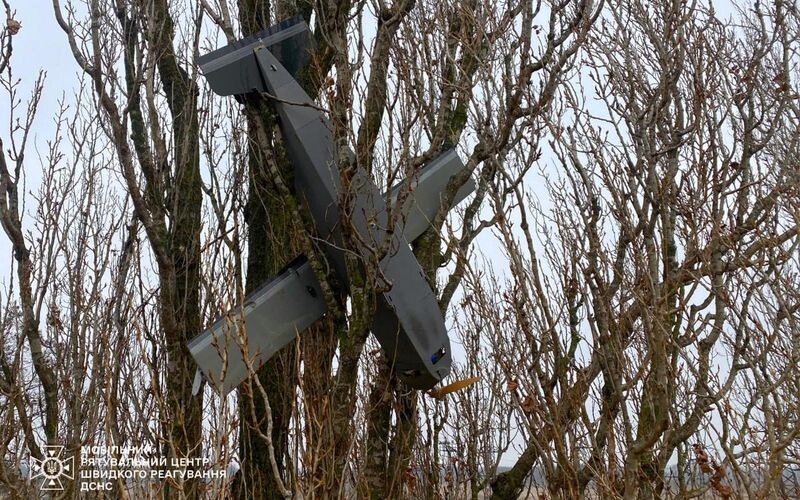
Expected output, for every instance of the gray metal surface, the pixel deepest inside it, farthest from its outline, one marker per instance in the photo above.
(426, 192)
(273, 315)
(408, 323)
(232, 70)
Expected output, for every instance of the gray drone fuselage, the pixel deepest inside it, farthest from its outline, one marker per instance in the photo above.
(407, 321)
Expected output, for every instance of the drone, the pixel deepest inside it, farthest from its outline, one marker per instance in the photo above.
(407, 322)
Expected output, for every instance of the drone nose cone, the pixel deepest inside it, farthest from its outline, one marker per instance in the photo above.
(424, 376)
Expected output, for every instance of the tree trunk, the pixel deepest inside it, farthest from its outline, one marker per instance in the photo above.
(180, 283)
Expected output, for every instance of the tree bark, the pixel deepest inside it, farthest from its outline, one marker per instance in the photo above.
(180, 289)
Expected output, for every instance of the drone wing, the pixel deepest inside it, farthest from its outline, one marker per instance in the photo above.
(240, 342)
(427, 189)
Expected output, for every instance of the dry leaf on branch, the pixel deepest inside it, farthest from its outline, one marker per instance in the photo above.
(13, 26)
(528, 405)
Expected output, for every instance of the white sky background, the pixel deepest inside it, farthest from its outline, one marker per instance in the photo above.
(40, 45)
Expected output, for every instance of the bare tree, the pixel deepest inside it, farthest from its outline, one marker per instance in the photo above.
(670, 221)
(161, 172)
(623, 282)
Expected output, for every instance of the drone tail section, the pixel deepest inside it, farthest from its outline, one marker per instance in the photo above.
(233, 70)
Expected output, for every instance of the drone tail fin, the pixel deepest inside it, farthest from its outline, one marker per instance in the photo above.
(233, 70)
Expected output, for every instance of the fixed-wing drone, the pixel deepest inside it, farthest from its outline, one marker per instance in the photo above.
(407, 322)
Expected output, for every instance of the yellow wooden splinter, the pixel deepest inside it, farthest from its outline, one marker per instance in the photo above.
(455, 386)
